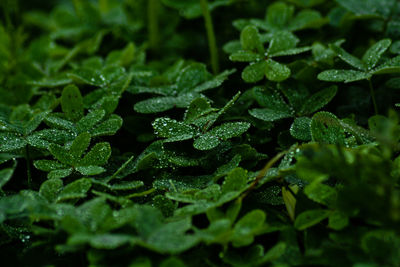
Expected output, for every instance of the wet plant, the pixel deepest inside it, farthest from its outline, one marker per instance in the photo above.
(200, 133)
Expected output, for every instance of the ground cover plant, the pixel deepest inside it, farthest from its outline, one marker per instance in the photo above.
(200, 133)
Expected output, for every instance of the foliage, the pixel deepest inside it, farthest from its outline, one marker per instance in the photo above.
(123, 144)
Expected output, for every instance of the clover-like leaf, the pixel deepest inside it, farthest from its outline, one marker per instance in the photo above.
(275, 71)
(236, 180)
(192, 9)
(318, 100)
(97, 156)
(250, 39)
(326, 128)
(374, 53)
(72, 103)
(266, 114)
(254, 72)
(301, 128)
(172, 129)
(11, 141)
(365, 68)
(247, 227)
(310, 218)
(51, 188)
(219, 133)
(70, 158)
(281, 17)
(346, 76)
(282, 43)
(74, 190)
(369, 8)
(6, 174)
(187, 85)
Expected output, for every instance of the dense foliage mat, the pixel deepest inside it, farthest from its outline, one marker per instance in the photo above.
(200, 133)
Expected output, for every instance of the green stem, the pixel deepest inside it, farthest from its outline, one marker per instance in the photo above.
(28, 166)
(212, 43)
(142, 194)
(153, 30)
(372, 92)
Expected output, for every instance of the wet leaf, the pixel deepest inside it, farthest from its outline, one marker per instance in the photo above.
(310, 218)
(326, 128)
(72, 103)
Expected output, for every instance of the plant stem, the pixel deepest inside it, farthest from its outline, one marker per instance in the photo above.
(372, 92)
(212, 43)
(153, 30)
(28, 166)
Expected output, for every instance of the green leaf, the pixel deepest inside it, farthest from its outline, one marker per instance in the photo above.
(245, 56)
(97, 156)
(90, 170)
(171, 237)
(236, 180)
(50, 189)
(192, 75)
(267, 114)
(42, 139)
(59, 123)
(348, 58)
(254, 72)
(375, 52)
(280, 42)
(343, 76)
(326, 128)
(87, 123)
(62, 154)
(11, 141)
(155, 105)
(307, 18)
(301, 128)
(279, 14)
(310, 218)
(374, 8)
(5, 176)
(318, 100)
(109, 241)
(292, 51)
(206, 142)
(247, 227)
(338, 220)
(275, 71)
(321, 193)
(108, 127)
(225, 131)
(72, 103)
(48, 165)
(34, 122)
(214, 82)
(79, 146)
(126, 185)
(197, 108)
(172, 129)
(389, 67)
(76, 189)
(274, 253)
(173, 262)
(250, 39)
(60, 173)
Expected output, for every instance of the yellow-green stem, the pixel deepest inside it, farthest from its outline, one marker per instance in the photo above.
(212, 43)
(153, 30)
